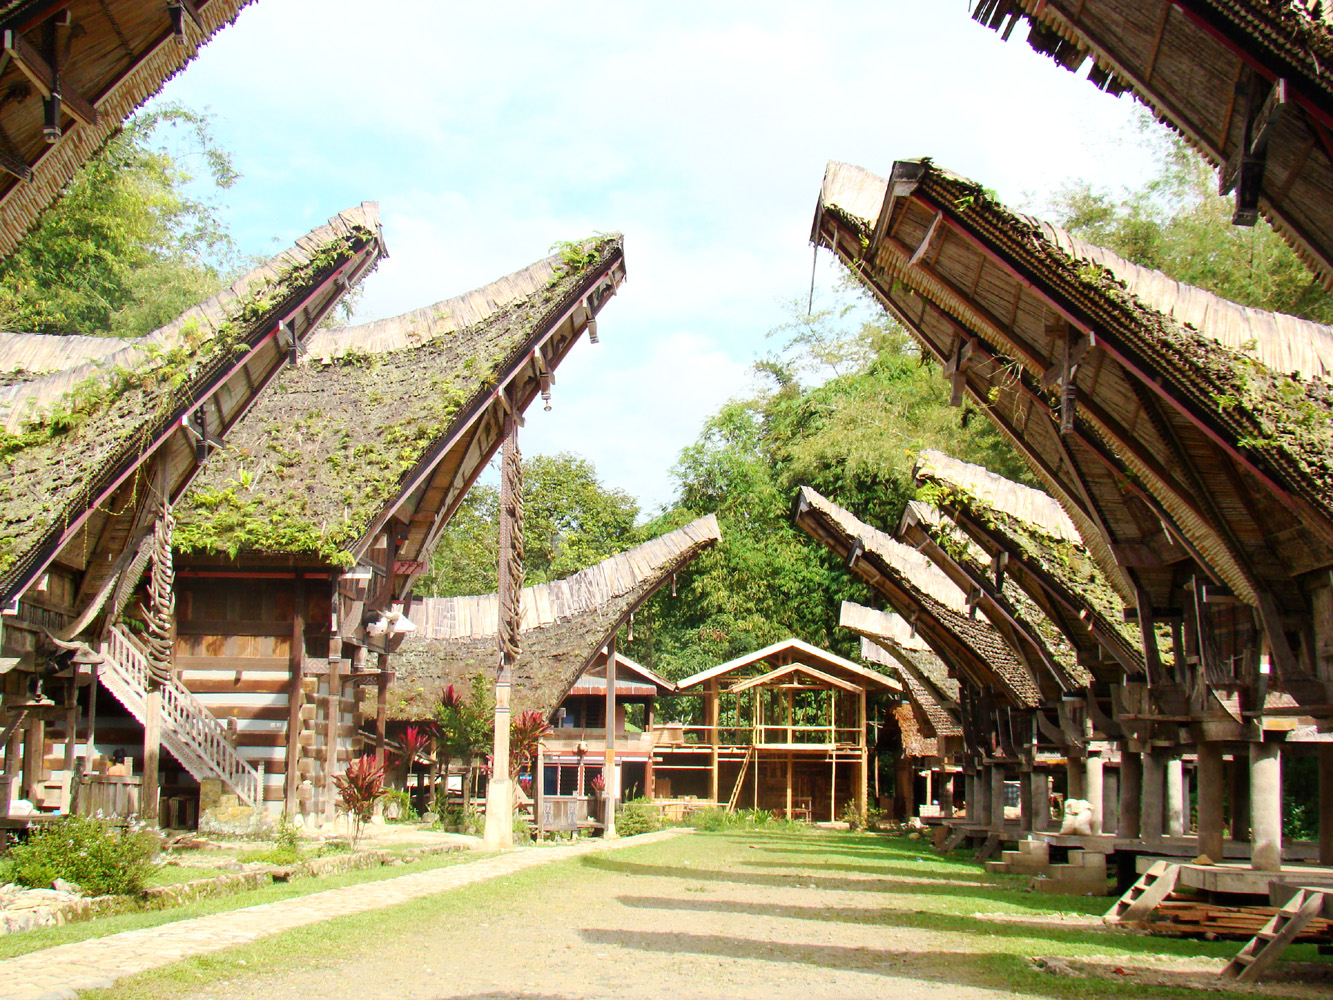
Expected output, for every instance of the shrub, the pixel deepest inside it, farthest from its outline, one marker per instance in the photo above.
(287, 850)
(359, 788)
(400, 798)
(638, 816)
(714, 820)
(101, 859)
(853, 817)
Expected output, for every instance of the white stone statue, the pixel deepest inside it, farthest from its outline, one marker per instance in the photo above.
(1078, 818)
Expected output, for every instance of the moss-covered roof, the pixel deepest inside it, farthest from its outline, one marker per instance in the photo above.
(902, 573)
(342, 434)
(565, 625)
(67, 437)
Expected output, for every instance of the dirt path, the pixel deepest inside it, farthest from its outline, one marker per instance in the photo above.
(747, 917)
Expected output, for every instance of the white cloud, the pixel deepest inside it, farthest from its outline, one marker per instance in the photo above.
(700, 130)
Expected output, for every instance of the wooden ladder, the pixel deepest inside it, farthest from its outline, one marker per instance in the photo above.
(955, 838)
(740, 780)
(1263, 949)
(1153, 886)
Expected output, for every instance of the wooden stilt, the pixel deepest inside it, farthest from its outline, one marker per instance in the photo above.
(611, 789)
(152, 750)
(94, 676)
(295, 699)
(382, 709)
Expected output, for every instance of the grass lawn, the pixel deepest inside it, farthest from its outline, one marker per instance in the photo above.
(788, 903)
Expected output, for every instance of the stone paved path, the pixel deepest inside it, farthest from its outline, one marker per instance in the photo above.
(58, 973)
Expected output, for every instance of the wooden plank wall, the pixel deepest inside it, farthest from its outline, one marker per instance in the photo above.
(233, 651)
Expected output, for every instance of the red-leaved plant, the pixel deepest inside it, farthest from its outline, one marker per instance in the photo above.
(359, 788)
(525, 735)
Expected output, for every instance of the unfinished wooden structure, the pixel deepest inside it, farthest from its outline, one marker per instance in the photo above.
(785, 729)
(1161, 420)
(101, 446)
(1245, 82)
(72, 71)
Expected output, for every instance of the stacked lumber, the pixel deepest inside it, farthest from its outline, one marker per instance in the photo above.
(1184, 916)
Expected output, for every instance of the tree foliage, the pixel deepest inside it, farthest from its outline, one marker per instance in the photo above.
(1177, 223)
(571, 521)
(128, 246)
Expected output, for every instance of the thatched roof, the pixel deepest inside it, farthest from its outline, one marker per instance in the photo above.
(396, 417)
(1044, 553)
(114, 55)
(1198, 64)
(917, 589)
(1023, 624)
(941, 720)
(1168, 445)
(70, 439)
(565, 626)
(891, 631)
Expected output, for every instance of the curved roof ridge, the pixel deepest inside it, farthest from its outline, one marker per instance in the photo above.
(28, 356)
(17, 401)
(1031, 506)
(916, 568)
(882, 625)
(472, 617)
(419, 326)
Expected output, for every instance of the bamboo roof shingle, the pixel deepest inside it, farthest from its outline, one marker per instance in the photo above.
(395, 417)
(113, 55)
(1211, 69)
(919, 591)
(941, 720)
(72, 441)
(1162, 444)
(890, 630)
(566, 624)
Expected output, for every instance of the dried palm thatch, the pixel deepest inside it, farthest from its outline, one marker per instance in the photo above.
(1031, 506)
(943, 722)
(396, 415)
(70, 438)
(565, 626)
(114, 55)
(1207, 68)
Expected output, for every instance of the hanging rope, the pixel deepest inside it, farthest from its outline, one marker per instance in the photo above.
(161, 596)
(511, 549)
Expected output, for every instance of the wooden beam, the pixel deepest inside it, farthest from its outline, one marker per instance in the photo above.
(45, 79)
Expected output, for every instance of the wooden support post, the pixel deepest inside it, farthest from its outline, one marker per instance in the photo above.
(1041, 801)
(1266, 806)
(611, 789)
(711, 716)
(789, 781)
(382, 710)
(863, 782)
(1025, 806)
(152, 749)
(997, 797)
(94, 672)
(1325, 804)
(71, 717)
(334, 710)
(539, 791)
(1210, 799)
(295, 699)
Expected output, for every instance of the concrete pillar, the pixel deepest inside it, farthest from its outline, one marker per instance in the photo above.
(1131, 791)
(1041, 801)
(1093, 789)
(1175, 792)
(1025, 801)
(1110, 800)
(1074, 774)
(1266, 807)
(1151, 810)
(1239, 788)
(997, 799)
(982, 791)
(1211, 783)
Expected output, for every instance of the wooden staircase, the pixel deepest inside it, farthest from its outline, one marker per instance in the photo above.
(190, 732)
(740, 779)
(1153, 886)
(1263, 949)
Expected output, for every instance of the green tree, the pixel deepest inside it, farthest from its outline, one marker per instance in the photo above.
(127, 247)
(571, 521)
(1177, 223)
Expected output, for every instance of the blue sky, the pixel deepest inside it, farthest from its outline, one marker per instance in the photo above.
(489, 131)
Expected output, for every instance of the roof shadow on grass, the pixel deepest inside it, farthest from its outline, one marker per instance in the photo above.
(1110, 940)
(886, 886)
